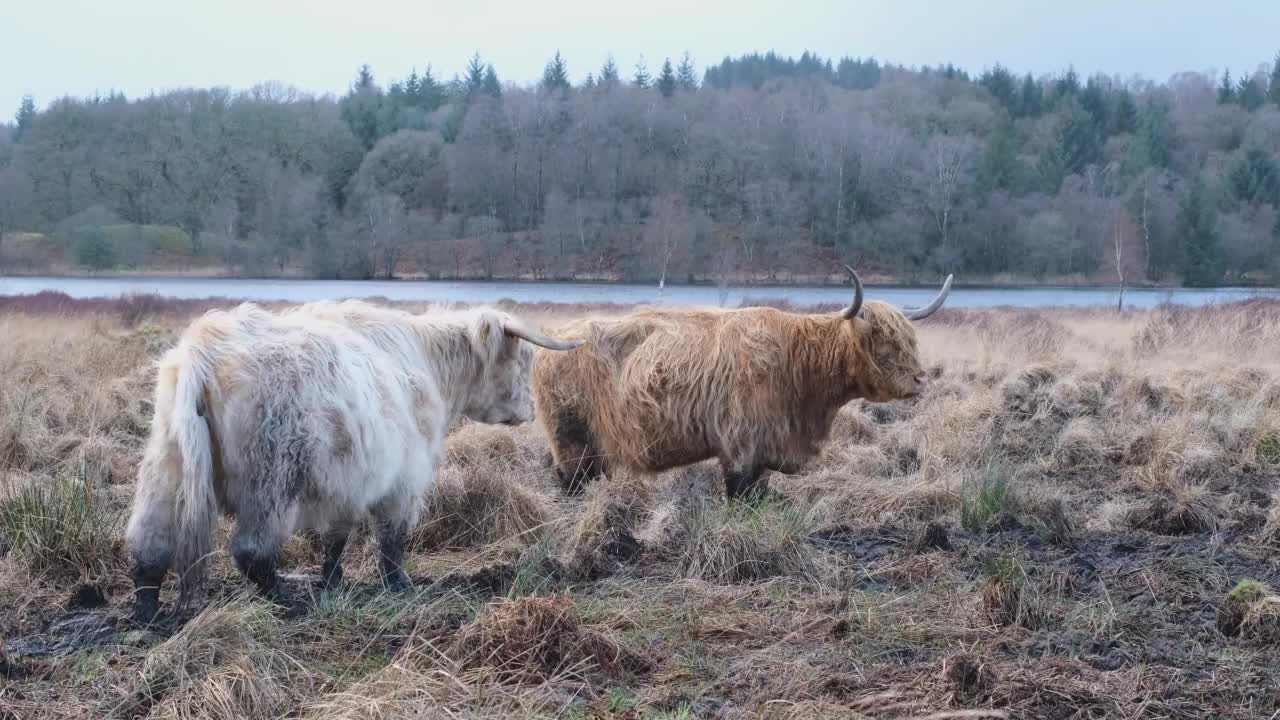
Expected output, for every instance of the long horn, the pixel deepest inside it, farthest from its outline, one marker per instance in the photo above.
(932, 307)
(852, 311)
(520, 329)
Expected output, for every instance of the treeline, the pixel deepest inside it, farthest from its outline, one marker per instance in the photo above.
(759, 169)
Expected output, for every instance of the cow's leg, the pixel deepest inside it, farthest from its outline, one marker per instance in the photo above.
(393, 518)
(335, 541)
(577, 458)
(261, 530)
(152, 533)
(744, 482)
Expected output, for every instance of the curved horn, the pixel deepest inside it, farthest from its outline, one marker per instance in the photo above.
(932, 307)
(520, 329)
(852, 311)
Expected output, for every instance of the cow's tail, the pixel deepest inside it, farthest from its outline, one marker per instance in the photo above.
(196, 506)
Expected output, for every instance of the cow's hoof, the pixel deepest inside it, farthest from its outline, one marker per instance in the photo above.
(397, 582)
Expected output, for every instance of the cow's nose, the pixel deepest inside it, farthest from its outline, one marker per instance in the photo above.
(922, 378)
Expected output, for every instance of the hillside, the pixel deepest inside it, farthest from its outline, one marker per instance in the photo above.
(759, 168)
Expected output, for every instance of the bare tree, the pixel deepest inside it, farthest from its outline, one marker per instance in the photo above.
(387, 227)
(669, 228)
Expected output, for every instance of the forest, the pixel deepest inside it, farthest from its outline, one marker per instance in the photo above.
(758, 169)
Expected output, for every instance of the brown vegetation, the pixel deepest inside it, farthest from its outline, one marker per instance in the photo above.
(1077, 519)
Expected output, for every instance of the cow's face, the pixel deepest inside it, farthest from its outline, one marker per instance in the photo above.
(887, 341)
(502, 396)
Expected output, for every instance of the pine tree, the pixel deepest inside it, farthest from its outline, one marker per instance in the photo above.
(411, 86)
(555, 76)
(1068, 84)
(1000, 83)
(1151, 142)
(1202, 261)
(589, 82)
(609, 74)
(490, 85)
(1249, 94)
(1124, 113)
(667, 79)
(26, 115)
(364, 78)
(686, 76)
(1273, 91)
(1031, 98)
(473, 81)
(999, 159)
(641, 77)
(430, 94)
(1226, 91)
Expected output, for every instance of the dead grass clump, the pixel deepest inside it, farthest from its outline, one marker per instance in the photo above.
(535, 639)
(1184, 510)
(422, 683)
(966, 675)
(1005, 600)
(225, 663)
(478, 507)
(481, 446)
(852, 428)
(1201, 465)
(604, 537)
(1250, 611)
(740, 542)
(1081, 447)
(62, 525)
(1270, 535)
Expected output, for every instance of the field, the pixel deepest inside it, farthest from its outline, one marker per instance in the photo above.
(1078, 520)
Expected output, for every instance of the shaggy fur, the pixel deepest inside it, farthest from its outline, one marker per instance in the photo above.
(309, 419)
(757, 388)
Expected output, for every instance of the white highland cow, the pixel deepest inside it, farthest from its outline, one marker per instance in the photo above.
(311, 418)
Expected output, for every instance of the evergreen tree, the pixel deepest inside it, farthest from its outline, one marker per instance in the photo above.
(609, 74)
(430, 93)
(1151, 142)
(473, 80)
(555, 76)
(667, 79)
(1198, 236)
(1273, 91)
(1226, 91)
(1066, 86)
(1000, 83)
(1124, 113)
(1031, 98)
(364, 78)
(686, 76)
(641, 77)
(26, 115)
(1094, 101)
(1076, 145)
(999, 160)
(490, 85)
(589, 83)
(1254, 178)
(1250, 94)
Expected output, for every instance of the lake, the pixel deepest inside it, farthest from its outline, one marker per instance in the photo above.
(302, 290)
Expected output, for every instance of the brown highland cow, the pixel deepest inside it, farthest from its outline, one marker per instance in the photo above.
(756, 388)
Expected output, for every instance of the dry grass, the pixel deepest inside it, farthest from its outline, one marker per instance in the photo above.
(1064, 525)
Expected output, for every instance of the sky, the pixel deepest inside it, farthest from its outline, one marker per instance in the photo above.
(52, 48)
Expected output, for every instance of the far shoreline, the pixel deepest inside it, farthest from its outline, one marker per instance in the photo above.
(873, 281)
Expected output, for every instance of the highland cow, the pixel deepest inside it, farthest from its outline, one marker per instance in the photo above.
(312, 418)
(755, 388)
